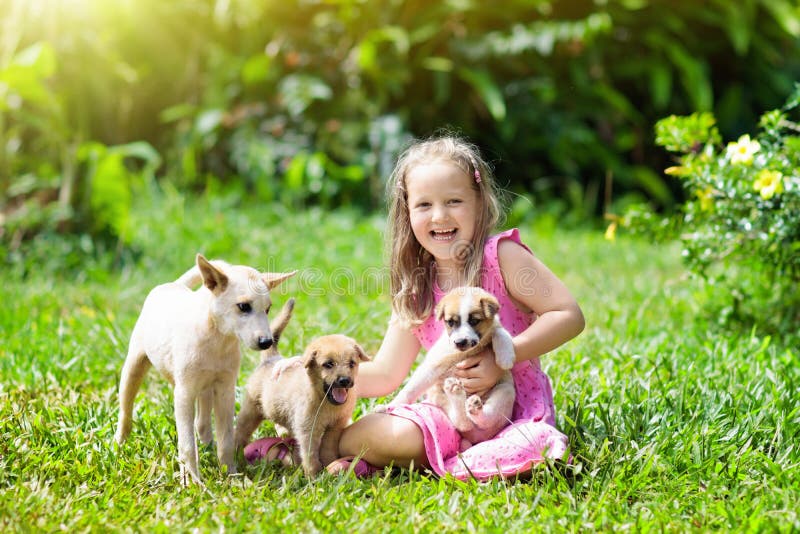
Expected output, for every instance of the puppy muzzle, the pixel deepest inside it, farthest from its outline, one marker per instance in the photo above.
(465, 343)
(337, 392)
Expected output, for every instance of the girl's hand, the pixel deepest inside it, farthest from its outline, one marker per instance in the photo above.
(478, 373)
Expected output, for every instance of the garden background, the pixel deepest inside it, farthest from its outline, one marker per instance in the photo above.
(135, 134)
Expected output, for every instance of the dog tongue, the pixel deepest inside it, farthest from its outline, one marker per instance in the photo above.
(339, 394)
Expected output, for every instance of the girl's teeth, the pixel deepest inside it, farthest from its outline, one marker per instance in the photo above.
(445, 235)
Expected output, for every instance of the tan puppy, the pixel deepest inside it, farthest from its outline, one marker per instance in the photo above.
(192, 338)
(313, 403)
(471, 324)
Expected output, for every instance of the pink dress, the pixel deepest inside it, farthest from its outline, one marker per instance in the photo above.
(530, 438)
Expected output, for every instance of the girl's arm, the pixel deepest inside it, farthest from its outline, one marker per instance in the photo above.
(391, 364)
(530, 283)
(533, 286)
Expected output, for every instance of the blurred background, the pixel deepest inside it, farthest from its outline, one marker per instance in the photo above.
(307, 103)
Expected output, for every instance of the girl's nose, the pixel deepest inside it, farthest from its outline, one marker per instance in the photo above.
(439, 214)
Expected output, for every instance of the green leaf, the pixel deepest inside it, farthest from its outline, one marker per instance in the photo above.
(208, 121)
(296, 170)
(483, 83)
(256, 69)
(111, 194)
(652, 183)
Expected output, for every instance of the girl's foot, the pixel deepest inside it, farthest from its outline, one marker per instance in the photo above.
(270, 449)
(360, 468)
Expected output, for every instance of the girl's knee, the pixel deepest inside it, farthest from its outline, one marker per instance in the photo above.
(382, 439)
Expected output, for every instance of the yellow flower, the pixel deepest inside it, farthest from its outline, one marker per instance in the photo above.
(706, 197)
(742, 151)
(611, 231)
(768, 183)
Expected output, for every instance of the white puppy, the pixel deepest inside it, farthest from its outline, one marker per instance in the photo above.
(471, 324)
(192, 338)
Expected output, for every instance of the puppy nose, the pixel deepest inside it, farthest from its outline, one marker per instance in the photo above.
(344, 382)
(462, 343)
(264, 342)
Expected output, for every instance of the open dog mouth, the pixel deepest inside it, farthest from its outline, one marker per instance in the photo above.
(336, 396)
(444, 235)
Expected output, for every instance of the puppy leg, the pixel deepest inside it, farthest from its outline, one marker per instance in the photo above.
(187, 448)
(503, 347)
(496, 411)
(456, 399)
(249, 418)
(309, 440)
(136, 366)
(202, 420)
(224, 408)
(329, 448)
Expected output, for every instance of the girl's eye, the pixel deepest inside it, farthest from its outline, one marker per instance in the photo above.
(454, 201)
(328, 365)
(245, 307)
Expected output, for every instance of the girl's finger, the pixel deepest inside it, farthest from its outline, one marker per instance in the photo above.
(470, 362)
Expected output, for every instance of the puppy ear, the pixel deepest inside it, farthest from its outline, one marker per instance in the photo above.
(439, 311)
(310, 358)
(362, 354)
(213, 278)
(489, 306)
(274, 279)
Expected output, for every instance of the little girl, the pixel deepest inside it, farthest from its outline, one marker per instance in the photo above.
(443, 206)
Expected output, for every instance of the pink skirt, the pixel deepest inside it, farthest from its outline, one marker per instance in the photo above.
(527, 441)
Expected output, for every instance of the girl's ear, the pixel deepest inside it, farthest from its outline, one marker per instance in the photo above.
(489, 306)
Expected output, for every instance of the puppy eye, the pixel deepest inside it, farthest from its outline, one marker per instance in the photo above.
(452, 323)
(352, 364)
(245, 307)
(328, 365)
(473, 321)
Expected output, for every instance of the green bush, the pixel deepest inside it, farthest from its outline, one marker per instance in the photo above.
(740, 224)
(307, 103)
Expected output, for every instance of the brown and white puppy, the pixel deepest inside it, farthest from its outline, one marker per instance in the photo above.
(192, 338)
(312, 402)
(471, 324)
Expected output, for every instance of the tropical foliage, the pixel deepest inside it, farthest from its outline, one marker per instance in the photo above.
(307, 102)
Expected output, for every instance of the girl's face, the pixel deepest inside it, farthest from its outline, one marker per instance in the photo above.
(442, 206)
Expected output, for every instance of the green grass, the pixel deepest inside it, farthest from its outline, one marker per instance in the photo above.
(676, 424)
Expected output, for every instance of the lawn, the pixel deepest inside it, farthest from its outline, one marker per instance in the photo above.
(677, 423)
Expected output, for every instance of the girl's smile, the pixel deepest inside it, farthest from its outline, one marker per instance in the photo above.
(442, 204)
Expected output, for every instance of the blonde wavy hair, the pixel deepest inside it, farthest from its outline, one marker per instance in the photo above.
(411, 266)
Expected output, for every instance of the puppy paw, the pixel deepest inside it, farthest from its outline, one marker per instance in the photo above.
(474, 405)
(312, 467)
(453, 386)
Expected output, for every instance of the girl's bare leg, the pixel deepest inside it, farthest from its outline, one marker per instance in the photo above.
(382, 439)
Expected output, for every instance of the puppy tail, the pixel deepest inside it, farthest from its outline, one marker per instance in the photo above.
(190, 278)
(277, 326)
